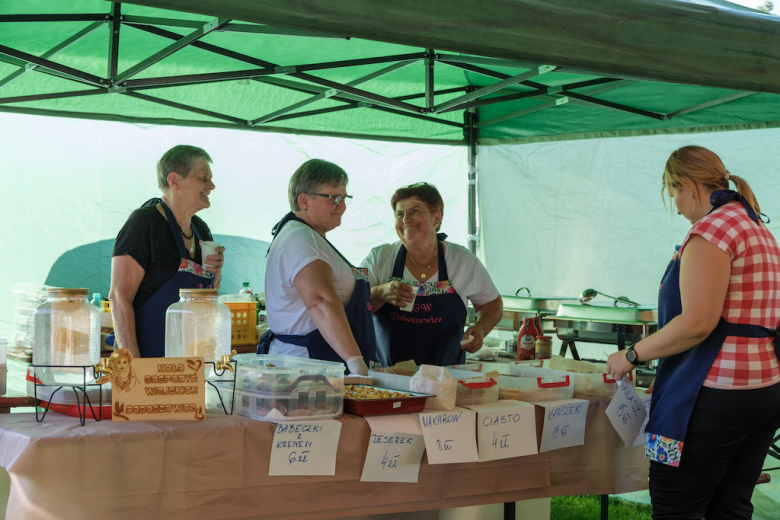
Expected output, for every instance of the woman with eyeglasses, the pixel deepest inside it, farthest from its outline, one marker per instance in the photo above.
(439, 276)
(317, 303)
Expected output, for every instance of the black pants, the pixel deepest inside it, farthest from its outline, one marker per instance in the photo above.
(728, 438)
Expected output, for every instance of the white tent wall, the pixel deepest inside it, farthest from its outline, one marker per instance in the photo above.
(563, 216)
(71, 182)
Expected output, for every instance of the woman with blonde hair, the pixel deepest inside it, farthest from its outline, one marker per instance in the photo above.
(716, 401)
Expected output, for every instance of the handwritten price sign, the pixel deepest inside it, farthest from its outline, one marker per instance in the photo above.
(564, 424)
(395, 449)
(505, 429)
(450, 437)
(626, 412)
(305, 448)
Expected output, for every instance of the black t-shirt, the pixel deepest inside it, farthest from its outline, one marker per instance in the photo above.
(147, 237)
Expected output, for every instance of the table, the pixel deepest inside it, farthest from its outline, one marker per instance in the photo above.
(218, 468)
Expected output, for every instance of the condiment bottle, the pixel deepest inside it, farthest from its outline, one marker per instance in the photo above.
(543, 347)
(526, 339)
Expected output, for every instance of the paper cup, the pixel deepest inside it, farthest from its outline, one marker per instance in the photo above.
(409, 306)
(207, 248)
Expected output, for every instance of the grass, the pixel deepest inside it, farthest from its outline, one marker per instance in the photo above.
(588, 507)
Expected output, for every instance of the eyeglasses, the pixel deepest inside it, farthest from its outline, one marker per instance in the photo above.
(419, 185)
(335, 198)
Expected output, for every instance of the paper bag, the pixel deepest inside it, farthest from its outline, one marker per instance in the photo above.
(438, 382)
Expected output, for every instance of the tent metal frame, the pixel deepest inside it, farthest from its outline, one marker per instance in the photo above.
(298, 77)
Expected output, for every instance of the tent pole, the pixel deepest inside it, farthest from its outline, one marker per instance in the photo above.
(113, 39)
(471, 141)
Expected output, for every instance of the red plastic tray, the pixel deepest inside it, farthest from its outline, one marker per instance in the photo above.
(388, 406)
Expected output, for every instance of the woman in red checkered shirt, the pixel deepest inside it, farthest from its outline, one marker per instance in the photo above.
(716, 402)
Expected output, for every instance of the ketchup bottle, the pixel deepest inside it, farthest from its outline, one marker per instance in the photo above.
(526, 340)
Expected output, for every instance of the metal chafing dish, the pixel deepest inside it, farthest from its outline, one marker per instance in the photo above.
(516, 308)
(603, 323)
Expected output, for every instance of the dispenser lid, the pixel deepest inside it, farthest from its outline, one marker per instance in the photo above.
(198, 292)
(65, 291)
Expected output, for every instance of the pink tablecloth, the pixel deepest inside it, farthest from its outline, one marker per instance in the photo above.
(218, 468)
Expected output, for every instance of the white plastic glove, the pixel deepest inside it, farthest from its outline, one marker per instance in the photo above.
(357, 366)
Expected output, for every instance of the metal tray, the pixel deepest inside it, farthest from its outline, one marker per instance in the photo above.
(607, 313)
(392, 405)
(534, 303)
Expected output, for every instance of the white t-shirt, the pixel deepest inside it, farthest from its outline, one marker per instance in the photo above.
(466, 273)
(296, 246)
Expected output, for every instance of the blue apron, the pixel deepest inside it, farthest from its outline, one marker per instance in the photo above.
(431, 333)
(679, 378)
(150, 317)
(358, 312)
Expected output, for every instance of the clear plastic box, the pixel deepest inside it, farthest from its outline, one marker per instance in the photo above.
(597, 384)
(286, 388)
(476, 390)
(539, 388)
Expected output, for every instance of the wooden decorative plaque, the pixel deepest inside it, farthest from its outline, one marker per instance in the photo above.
(155, 389)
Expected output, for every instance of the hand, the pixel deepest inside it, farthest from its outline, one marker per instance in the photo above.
(650, 388)
(618, 366)
(397, 293)
(477, 337)
(357, 366)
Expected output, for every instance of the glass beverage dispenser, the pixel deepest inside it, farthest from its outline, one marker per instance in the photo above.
(198, 325)
(66, 333)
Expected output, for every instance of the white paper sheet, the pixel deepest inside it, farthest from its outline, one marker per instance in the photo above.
(450, 436)
(564, 424)
(626, 412)
(305, 448)
(505, 429)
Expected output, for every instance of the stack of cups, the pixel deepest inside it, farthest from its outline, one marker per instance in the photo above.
(3, 366)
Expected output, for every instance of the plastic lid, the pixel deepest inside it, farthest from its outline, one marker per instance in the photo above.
(96, 296)
(544, 337)
(246, 284)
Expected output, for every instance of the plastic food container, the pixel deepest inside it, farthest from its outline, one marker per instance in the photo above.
(597, 385)
(476, 390)
(66, 333)
(287, 388)
(539, 388)
(67, 401)
(391, 405)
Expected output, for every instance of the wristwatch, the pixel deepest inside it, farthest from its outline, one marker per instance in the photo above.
(632, 357)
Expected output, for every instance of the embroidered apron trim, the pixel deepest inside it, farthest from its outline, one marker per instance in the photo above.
(663, 449)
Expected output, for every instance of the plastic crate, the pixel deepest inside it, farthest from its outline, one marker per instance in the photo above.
(243, 323)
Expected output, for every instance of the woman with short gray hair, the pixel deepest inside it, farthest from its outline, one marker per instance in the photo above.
(157, 252)
(317, 303)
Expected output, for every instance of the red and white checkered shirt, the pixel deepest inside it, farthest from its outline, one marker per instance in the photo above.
(753, 297)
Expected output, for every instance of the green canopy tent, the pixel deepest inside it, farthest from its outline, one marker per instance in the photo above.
(436, 71)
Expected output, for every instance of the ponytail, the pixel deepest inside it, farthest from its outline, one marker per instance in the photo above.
(745, 192)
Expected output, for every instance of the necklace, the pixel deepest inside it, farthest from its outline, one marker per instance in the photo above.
(422, 273)
(188, 237)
